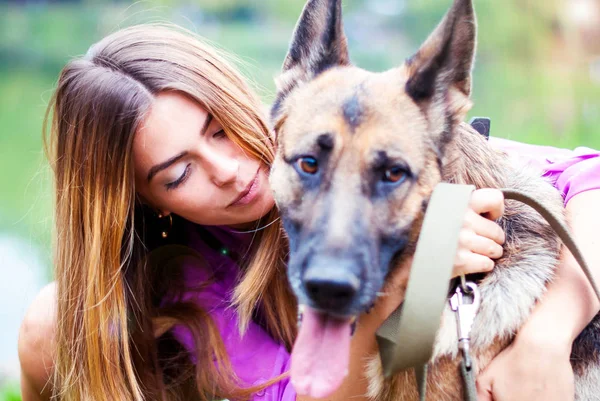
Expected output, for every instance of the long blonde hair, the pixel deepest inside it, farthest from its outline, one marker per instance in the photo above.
(107, 297)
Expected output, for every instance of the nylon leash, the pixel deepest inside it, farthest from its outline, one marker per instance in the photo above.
(468, 376)
(559, 227)
(410, 344)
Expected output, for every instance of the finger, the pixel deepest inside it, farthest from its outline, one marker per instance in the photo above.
(488, 201)
(467, 262)
(484, 227)
(481, 245)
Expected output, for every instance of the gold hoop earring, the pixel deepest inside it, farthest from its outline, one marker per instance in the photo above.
(165, 233)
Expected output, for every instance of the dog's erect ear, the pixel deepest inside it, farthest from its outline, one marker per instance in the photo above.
(318, 43)
(441, 70)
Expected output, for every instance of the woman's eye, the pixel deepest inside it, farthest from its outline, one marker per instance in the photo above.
(219, 134)
(394, 174)
(180, 180)
(308, 165)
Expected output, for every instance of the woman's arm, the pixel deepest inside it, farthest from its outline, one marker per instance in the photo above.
(36, 337)
(541, 350)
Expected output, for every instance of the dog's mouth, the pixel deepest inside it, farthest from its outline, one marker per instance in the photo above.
(321, 354)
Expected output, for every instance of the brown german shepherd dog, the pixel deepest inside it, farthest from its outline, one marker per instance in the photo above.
(359, 154)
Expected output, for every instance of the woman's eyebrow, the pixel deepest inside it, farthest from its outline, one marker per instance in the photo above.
(159, 167)
(207, 122)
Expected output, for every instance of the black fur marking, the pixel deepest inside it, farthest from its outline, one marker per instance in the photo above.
(302, 42)
(586, 348)
(425, 81)
(421, 86)
(322, 66)
(277, 105)
(447, 133)
(332, 35)
(424, 205)
(438, 159)
(381, 160)
(330, 45)
(314, 50)
(353, 112)
(325, 141)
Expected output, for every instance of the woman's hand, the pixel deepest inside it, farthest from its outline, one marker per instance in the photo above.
(480, 239)
(536, 366)
(529, 370)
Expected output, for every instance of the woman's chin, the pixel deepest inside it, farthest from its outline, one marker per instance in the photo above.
(253, 219)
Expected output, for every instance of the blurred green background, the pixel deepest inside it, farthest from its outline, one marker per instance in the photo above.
(537, 76)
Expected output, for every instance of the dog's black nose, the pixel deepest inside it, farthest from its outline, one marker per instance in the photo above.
(331, 289)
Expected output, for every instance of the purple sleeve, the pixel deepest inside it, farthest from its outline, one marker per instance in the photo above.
(255, 357)
(570, 171)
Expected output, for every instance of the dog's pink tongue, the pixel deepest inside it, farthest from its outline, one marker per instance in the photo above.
(321, 354)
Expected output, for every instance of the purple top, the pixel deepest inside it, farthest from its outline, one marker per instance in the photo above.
(256, 357)
(570, 171)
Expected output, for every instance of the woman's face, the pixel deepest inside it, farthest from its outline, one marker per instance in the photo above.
(185, 164)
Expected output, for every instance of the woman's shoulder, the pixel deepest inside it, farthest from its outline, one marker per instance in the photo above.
(529, 151)
(36, 342)
(570, 171)
(548, 153)
(543, 157)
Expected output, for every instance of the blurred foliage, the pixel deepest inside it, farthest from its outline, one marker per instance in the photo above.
(525, 77)
(518, 29)
(10, 392)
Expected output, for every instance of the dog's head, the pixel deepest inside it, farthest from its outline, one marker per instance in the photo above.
(359, 154)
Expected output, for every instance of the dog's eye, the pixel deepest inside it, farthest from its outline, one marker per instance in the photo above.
(308, 165)
(394, 174)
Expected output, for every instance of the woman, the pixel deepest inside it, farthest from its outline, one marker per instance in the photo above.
(157, 142)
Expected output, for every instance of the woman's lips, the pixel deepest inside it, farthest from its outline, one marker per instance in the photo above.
(250, 193)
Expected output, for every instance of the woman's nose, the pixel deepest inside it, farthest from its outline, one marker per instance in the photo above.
(222, 169)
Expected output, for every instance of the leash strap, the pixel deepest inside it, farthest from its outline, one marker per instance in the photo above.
(421, 376)
(468, 375)
(411, 344)
(559, 227)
